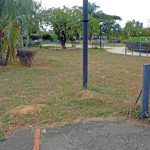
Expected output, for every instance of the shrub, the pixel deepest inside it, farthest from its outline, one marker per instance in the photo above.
(25, 57)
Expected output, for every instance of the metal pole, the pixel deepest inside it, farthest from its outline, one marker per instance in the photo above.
(145, 91)
(140, 48)
(100, 37)
(125, 50)
(85, 43)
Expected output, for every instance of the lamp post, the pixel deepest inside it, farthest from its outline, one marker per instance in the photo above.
(100, 25)
(85, 43)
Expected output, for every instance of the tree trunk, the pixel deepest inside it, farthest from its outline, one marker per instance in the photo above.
(28, 41)
(1, 57)
(22, 44)
(63, 41)
(108, 37)
(7, 57)
(90, 37)
(0, 49)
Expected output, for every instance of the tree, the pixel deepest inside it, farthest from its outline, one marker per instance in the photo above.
(13, 14)
(132, 29)
(145, 32)
(93, 27)
(92, 8)
(110, 27)
(65, 22)
(10, 27)
(29, 19)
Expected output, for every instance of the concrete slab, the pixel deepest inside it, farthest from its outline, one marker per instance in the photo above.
(21, 140)
(93, 135)
(102, 135)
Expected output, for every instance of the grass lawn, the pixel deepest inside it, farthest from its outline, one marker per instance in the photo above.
(51, 90)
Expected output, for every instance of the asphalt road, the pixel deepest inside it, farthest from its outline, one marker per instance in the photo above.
(21, 140)
(102, 135)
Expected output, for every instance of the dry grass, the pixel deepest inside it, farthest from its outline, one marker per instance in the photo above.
(55, 80)
(28, 109)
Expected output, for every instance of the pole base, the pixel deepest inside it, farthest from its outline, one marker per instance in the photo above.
(144, 115)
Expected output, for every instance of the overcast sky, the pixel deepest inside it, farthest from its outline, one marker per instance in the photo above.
(126, 9)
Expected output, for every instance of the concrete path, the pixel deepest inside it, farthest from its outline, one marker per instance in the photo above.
(102, 135)
(97, 136)
(117, 50)
(121, 50)
(21, 140)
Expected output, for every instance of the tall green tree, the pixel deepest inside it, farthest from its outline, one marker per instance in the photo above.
(93, 27)
(10, 26)
(132, 29)
(13, 14)
(65, 22)
(110, 26)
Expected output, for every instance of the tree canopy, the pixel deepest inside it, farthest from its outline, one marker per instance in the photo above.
(66, 22)
(21, 19)
(133, 28)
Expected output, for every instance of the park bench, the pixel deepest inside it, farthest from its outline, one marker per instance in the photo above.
(143, 47)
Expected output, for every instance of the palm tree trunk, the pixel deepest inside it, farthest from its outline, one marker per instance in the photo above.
(7, 57)
(22, 44)
(0, 49)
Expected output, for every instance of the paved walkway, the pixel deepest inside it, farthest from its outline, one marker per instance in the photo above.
(117, 50)
(21, 140)
(121, 50)
(102, 135)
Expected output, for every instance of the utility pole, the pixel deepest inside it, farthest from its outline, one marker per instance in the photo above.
(85, 43)
(145, 92)
(100, 33)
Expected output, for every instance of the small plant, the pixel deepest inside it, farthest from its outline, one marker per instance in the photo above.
(96, 47)
(2, 136)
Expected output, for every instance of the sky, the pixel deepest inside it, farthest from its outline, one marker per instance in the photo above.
(126, 9)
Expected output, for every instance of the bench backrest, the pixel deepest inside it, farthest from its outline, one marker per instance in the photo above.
(138, 46)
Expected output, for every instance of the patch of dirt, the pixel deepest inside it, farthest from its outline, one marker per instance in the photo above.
(11, 66)
(86, 94)
(43, 65)
(90, 95)
(135, 90)
(28, 109)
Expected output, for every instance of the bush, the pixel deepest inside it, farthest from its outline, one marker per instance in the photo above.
(138, 39)
(25, 57)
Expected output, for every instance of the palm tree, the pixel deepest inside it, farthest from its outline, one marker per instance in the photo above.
(93, 8)
(12, 14)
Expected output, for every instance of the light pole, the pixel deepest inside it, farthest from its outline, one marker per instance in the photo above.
(100, 33)
(85, 43)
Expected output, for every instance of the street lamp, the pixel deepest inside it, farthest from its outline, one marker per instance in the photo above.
(100, 25)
